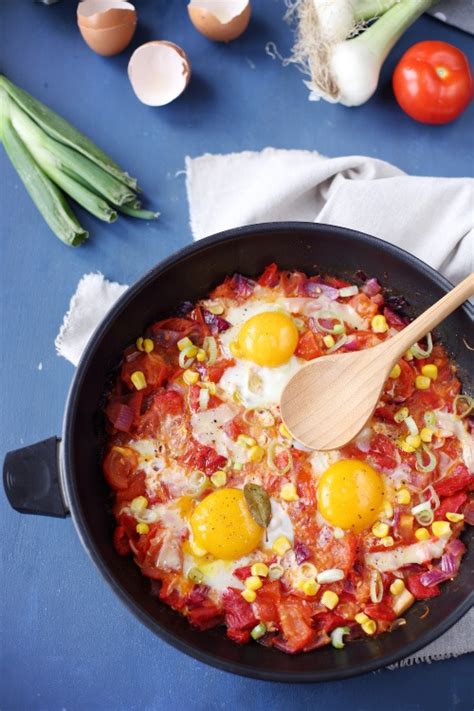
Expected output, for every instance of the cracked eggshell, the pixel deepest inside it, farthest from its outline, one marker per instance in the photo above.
(107, 26)
(220, 20)
(159, 72)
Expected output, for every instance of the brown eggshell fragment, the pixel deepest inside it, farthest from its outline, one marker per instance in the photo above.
(220, 20)
(159, 72)
(107, 26)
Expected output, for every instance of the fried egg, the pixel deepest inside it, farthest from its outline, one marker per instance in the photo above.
(350, 495)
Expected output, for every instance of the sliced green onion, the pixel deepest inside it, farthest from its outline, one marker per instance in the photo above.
(418, 352)
(138, 213)
(430, 491)
(198, 482)
(339, 343)
(425, 517)
(430, 419)
(458, 400)
(271, 458)
(185, 360)
(258, 631)
(210, 346)
(195, 575)
(203, 398)
(261, 415)
(329, 316)
(348, 291)
(432, 461)
(47, 197)
(411, 425)
(331, 575)
(308, 570)
(376, 586)
(401, 414)
(337, 637)
(275, 571)
(424, 506)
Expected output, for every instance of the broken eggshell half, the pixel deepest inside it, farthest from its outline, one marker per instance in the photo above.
(220, 20)
(107, 26)
(159, 72)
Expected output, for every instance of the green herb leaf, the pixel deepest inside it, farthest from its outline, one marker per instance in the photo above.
(259, 504)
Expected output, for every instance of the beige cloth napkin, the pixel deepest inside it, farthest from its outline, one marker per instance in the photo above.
(430, 217)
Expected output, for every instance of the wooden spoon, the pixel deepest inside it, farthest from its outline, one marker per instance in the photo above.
(328, 401)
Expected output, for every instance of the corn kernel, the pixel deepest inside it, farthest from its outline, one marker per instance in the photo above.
(142, 528)
(421, 534)
(216, 309)
(395, 372)
(281, 545)
(288, 492)
(190, 377)
(235, 349)
(422, 382)
(379, 324)
(426, 434)
(253, 582)
(201, 355)
(370, 627)
(397, 586)
(329, 599)
(408, 355)
(310, 587)
(138, 379)
(401, 414)
(380, 530)
(388, 509)
(284, 431)
(430, 370)
(219, 478)
(138, 505)
(413, 441)
(454, 517)
(249, 595)
(259, 569)
(361, 618)
(404, 446)
(184, 343)
(256, 453)
(329, 341)
(387, 541)
(246, 440)
(148, 345)
(139, 343)
(403, 496)
(440, 528)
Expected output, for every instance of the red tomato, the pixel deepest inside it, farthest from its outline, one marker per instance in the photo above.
(121, 542)
(309, 346)
(451, 504)
(295, 624)
(119, 465)
(433, 82)
(266, 604)
(459, 479)
(239, 616)
(270, 276)
(420, 591)
(380, 611)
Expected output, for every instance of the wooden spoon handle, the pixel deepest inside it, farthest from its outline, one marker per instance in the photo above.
(431, 317)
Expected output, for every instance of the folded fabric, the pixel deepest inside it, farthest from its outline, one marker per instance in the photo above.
(430, 217)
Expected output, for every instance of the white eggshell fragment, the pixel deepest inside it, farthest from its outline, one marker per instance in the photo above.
(220, 20)
(159, 72)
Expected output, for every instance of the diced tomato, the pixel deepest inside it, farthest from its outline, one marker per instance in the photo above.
(198, 456)
(295, 625)
(450, 504)
(306, 488)
(293, 283)
(418, 590)
(233, 427)
(174, 590)
(364, 306)
(119, 465)
(216, 371)
(382, 452)
(401, 388)
(270, 276)
(239, 616)
(338, 553)
(206, 616)
(386, 412)
(459, 479)
(162, 403)
(404, 527)
(327, 621)
(193, 399)
(267, 602)
(380, 611)
(135, 488)
(309, 346)
(167, 333)
(121, 541)
(243, 572)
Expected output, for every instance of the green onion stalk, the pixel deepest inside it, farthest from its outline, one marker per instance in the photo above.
(52, 157)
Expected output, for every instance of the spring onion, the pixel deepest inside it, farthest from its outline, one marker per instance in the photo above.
(275, 571)
(432, 461)
(430, 491)
(258, 631)
(210, 346)
(461, 410)
(195, 575)
(272, 455)
(347, 70)
(308, 570)
(332, 575)
(52, 157)
(203, 399)
(425, 517)
(430, 419)
(419, 352)
(411, 425)
(186, 356)
(337, 636)
(329, 316)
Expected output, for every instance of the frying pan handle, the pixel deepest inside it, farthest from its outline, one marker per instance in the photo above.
(32, 479)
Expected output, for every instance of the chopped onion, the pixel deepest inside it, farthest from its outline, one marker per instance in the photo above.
(271, 458)
(332, 575)
(348, 291)
(203, 398)
(314, 288)
(371, 287)
(433, 577)
(418, 352)
(123, 419)
(337, 635)
(329, 316)
(376, 586)
(430, 491)
(432, 463)
(339, 343)
(411, 424)
(210, 346)
(469, 405)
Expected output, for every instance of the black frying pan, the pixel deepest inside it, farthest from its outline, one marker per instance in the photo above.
(60, 477)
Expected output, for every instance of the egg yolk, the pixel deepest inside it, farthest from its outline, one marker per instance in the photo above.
(223, 525)
(268, 339)
(350, 495)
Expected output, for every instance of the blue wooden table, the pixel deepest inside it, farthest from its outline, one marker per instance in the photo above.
(66, 641)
